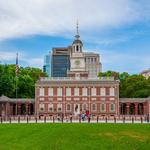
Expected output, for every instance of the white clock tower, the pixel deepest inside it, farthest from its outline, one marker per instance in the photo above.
(77, 58)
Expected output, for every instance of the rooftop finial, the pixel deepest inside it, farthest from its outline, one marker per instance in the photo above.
(77, 35)
(77, 27)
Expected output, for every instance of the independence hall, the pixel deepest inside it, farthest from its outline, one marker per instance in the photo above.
(74, 89)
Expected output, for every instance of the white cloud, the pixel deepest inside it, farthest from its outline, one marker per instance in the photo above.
(27, 17)
(36, 62)
(23, 58)
(6, 56)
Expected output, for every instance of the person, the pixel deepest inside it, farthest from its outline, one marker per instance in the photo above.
(83, 116)
(147, 118)
(58, 117)
(70, 117)
(89, 118)
(87, 113)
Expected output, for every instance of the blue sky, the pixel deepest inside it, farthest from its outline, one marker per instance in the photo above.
(119, 30)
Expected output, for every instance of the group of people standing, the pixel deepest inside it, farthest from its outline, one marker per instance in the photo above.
(85, 115)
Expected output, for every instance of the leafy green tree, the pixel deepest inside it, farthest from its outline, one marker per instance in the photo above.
(130, 85)
(26, 81)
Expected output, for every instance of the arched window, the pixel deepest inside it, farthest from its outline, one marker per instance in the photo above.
(77, 48)
(85, 107)
(94, 107)
(68, 108)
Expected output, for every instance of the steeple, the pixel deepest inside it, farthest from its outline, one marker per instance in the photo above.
(77, 43)
(77, 34)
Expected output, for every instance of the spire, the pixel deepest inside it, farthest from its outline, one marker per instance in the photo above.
(77, 34)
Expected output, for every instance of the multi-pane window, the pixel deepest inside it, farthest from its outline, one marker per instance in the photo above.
(93, 107)
(68, 91)
(41, 92)
(50, 91)
(76, 91)
(59, 91)
(84, 107)
(84, 92)
(93, 91)
(112, 91)
(41, 107)
(102, 91)
(59, 107)
(68, 107)
(50, 107)
(102, 107)
(112, 107)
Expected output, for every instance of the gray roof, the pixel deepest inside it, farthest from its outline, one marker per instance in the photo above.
(4, 99)
(7, 99)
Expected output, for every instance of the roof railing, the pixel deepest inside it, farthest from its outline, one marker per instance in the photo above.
(76, 78)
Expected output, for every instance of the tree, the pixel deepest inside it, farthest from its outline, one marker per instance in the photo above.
(26, 81)
(130, 85)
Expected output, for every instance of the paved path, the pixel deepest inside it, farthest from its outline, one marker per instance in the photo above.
(73, 121)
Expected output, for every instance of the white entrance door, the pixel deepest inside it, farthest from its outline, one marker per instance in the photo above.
(76, 109)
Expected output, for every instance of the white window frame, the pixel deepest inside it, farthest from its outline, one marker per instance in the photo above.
(101, 110)
(84, 106)
(66, 107)
(112, 91)
(59, 105)
(50, 92)
(95, 107)
(41, 105)
(59, 91)
(68, 91)
(102, 91)
(41, 91)
(84, 91)
(93, 91)
(76, 92)
(114, 107)
(50, 106)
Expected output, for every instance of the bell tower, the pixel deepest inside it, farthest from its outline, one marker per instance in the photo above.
(77, 43)
(77, 58)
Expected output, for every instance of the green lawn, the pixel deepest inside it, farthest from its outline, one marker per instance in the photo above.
(74, 137)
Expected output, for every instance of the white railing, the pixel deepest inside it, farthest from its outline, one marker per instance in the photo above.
(76, 79)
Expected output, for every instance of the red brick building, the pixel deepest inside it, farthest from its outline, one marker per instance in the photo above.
(74, 96)
(19, 106)
(77, 93)
(134, 106)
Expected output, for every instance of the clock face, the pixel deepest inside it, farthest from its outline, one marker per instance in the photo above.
(77, 62)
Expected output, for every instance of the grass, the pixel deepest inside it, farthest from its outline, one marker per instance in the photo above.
(74, 137)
